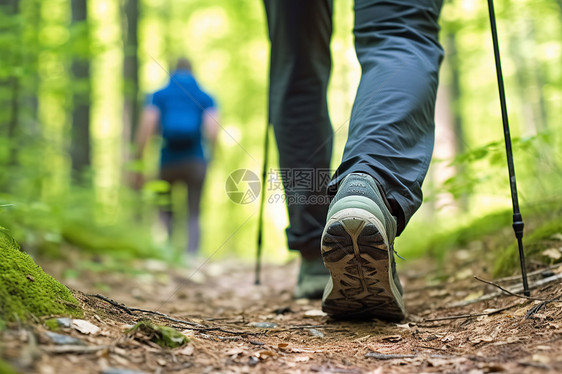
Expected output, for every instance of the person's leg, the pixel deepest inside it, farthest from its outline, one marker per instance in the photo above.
(391, 130)
(195, 178)
(378, 184)
(165, 209)
(300, 65)
(300, 33)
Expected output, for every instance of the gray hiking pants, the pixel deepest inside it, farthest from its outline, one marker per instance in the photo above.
(192, 174)
(391, 130)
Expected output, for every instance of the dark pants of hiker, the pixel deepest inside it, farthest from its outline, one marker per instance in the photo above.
(391, 130)
(192, 174)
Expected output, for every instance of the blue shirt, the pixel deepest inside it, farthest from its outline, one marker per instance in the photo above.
(181, 104)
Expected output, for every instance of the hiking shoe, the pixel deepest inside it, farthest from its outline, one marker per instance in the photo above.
(357, 247)
(313, 277)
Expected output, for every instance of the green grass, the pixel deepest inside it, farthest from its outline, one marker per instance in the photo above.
(434, 241)
(534, 244)
(542, 223)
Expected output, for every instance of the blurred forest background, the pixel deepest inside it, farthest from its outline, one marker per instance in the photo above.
(74, 74)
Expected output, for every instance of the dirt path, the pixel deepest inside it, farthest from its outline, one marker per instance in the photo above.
(236, 327)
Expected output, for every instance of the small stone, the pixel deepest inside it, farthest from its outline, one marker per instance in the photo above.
(62, 339)
(121, 371)
(264, 325)
(316, 333)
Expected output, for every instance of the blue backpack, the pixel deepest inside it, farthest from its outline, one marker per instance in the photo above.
(181, 105)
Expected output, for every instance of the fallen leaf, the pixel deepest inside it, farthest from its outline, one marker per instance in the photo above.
(363, 338)
(474, 295)
(464, 274)
(300, 350)
(302, 359)
(234, 352)
(481, 339)
(541, 358)
(513, 339)
(282, 346)
(262, 355)
(314, 313)
(552, 253)
(447, 338)
(84, 327)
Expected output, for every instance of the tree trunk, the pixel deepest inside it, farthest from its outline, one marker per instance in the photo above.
(130, 15)
(450, 140)
(80, 140)
(10, 92)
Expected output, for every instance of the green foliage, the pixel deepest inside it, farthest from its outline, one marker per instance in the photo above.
(437, 241)
(488, 163)
(108, 239)
(77, 220)
(25, 290)
(548, 236)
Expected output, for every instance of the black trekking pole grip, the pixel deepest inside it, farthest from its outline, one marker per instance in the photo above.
(518, 224)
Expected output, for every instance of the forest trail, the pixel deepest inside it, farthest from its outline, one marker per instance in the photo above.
(237, 327)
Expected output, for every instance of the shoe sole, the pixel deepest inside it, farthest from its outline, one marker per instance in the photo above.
(355, 251)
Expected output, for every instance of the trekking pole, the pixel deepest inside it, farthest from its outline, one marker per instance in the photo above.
(262, 203)
(517, 218)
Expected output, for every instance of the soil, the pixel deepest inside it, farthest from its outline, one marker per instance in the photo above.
(456, 323)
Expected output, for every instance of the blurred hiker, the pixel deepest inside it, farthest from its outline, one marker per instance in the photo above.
(377, 187)
(186, 118)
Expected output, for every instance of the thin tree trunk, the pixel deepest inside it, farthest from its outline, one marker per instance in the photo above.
(30, 95)
(12, 83)
(130, 70)
(455, 87)
(80, 140)
(450, 140)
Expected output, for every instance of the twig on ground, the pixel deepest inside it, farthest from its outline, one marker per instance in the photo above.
(130, 311)
(540, 306)
(495, 311)
(192, 325)
(535, 285)
(114, 303)
(535, 308)
(508, 291)
(382, 356)
(530, 275)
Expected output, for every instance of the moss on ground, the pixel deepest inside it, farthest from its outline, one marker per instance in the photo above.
(6, 368)
(26, 290)
(534, 244)
(165, 337)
